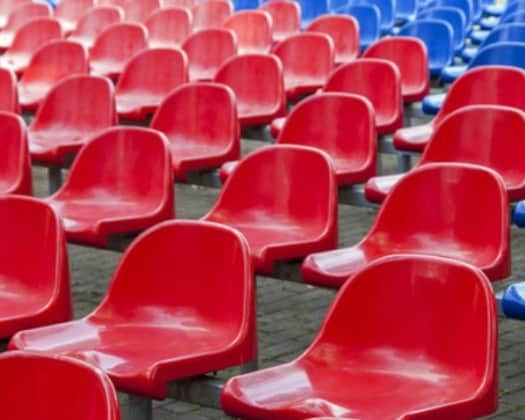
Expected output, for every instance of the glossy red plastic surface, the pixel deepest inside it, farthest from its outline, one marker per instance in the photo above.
(75, 109)
(493, 85)
(148, 77)
(50, 386)
(19, 17)
(211, 14)
(200, 122)
(344, 31)
(8, 91)
(35, 294)
(487, 135)
(93, 22)
(51, 63)
(411, 57)
(253, 29)
(166, 315)
(377, 80)
(188, 4)
(120, 182)
(28, 39)
(139, 11)
(407, 337)
(284, 223)
(286, 18)
(169, 27)
(257, 81)
(307, 60)
(431, 211)
(207, 50)
(7, 6)
(115, 46)
(68, 12)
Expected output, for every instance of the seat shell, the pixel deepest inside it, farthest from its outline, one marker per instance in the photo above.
(368, 16)
(8, 91)
(6, 7)
(169, 27)
(286, 18)
(253, 29)
(68, 13)
(455, 17)
(197, 318)
(93, 22)
(211, 14)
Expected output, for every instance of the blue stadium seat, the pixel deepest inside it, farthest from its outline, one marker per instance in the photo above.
(507, 32)
(246, 4)
(338, 6)
(386, 13)
(491, 22)
(437, 36)
(405, 10)
(464, 5)
(477, 37)
(513, 301)
(311, 9)
(368, 17)
(454, 16)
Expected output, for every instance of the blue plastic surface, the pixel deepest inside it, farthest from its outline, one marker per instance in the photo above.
(405, 10)
(454, 16)
(432, 103)
(246, 4)
(386, 13)
(513, 301)
(310, 9)
(509, 32)
(464, 5)
(368, 17)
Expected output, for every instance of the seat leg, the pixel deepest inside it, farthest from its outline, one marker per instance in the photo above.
(138, 408)
(54, 176)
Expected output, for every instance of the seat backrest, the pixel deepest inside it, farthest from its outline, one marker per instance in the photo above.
(8, 91)
(67, 387)
(286, 15)
(35, 33)
(203, 112)
(501, 53)
(455, 327)
(386, 11)
(506, 32)
(118, 42)
(344, 31)
(187, 4)
(7, 6)
(368, 16)
(310, 9)
(405, 8)
(95, 20)
(139, 11)
(491, 85)
(169, 26)
(253, 29)
(518, 17)
(309, 195)
(26, 12)
(246, 4)
(341, 124)
(155, 70)
(73, 10)
(82, 103)
(211, 14)
(464, 5)
(454, 16)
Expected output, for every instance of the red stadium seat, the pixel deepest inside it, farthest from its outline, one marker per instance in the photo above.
(211, 14)
(28, 39)
(287, 222)
(93, 22)
(200, 122)
(148, 77)
(38, 293)
(169, 27)
(188, 4)
(487, 135)
(51, 63)
(344, 31)
(492, 85)
(307, 61)
(68, 12)
(407, 337)
(75, 108)
(115, 46)
(342, 125)
(431, 211)
(286, 17)
(121, 182)
(411, 57)
(166, 315)
(253, 29)
(8, 91)
(60, 387)
(257, 81)
(207, 50)
(19, 17)
(6, 7)
(140, 11)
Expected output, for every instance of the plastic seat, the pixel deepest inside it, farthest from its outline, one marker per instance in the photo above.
(28, 39)
(8, 91)
(187, 4)
(19, 17)
(465, 6)
(438, 37)
(311, 9)
(307, 61)
(285, 223)
(455, 17)
(286, 18)
(490, 85)
(368, 17)
(411, 57)
(169, 27)
(344, 31)
(486, 135)
(513, 300)
(245, 4)
(207, 50)
(478, 37)
(386, 13)
(148, 77)
(140, 11)
(257, 81)
(6, 7)
(513, 32)
(115, 46)
(372, 344)
(197, 318)
(75, 108)
(38, 293)
(93, 22)
(68, 12)
(431, 211)
(65, 387)
(342, 125)
(405, 10)
(120, 183)
(201, 125)
(211, 14)
(15, 165)
(253, 29)
(377, 80)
